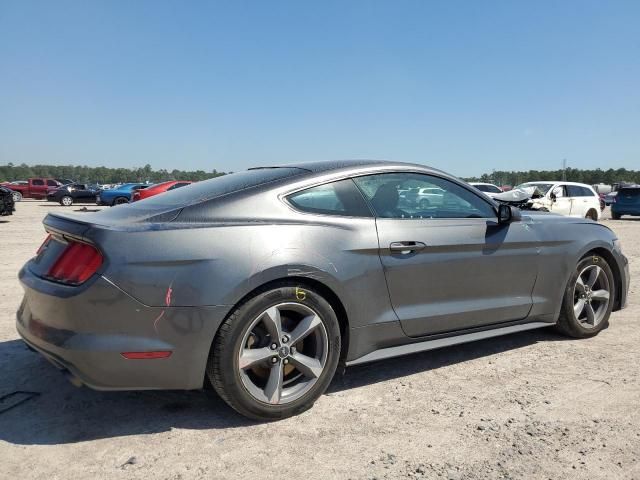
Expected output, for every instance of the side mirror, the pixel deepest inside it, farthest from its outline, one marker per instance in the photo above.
(508, 214)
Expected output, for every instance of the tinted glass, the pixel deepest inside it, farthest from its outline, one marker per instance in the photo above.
(416, 196)
(574, 191)
(586, 192)
(629, 192)
(37, 182)
(178, 185)
(488, 188)
(219, 186)
(338, 198)
(52, 183)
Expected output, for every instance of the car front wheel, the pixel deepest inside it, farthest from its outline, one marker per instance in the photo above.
(588, 299)
(276, 353)
(17, 196)
(66, 201)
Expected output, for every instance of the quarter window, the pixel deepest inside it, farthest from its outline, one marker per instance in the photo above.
(414, 195)
(340, 198)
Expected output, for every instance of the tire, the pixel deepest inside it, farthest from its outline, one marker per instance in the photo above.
(66, 201)
(247, 389)
(579, 325)
(120, 201)
(425, 203)
(592, 214)
(17, 196)
(615, 216)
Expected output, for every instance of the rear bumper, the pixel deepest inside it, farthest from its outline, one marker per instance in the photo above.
(625, 210)
(85, 330)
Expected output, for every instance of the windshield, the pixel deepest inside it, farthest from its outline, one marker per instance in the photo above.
(543, 188)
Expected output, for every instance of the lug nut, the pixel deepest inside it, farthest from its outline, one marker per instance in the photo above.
(274, 346)
(274, 360)
(285, 361)
(285, 339)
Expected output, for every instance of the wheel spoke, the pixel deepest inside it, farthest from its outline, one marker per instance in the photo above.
(591, 314)
(273, 389)
(309, 367)
(251, 356)
(580, 284)
(578, 307)
(272, 321)
(593, 276)
(600, 295)
(307, 325)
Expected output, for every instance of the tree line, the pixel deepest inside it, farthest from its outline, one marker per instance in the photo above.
(102, 175)
(590, 177)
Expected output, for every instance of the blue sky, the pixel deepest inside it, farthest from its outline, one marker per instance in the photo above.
(464, 86)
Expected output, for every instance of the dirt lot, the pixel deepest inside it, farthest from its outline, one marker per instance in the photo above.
(531, 405)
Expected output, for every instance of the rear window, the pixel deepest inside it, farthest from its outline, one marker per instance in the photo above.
(217, 187)
(630, 192)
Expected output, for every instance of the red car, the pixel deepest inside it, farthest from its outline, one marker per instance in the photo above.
(33, 188)
(158, 188)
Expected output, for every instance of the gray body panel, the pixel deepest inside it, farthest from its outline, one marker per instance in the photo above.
(196, 261)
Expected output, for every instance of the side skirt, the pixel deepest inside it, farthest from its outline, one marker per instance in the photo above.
(400, 350)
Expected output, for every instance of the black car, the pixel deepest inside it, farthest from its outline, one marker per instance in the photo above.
(67, 195)
(7, 205)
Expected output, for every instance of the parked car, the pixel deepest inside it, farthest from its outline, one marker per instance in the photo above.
(7, 204)
(566, 198)
(264, 281)
(34, 188)
(72, 193)
(626, 202)
(489, 188)
(610, 197)
(158, 188)
(120, 195)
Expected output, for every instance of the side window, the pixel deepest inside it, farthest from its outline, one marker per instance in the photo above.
(177, 185)
(37, 182)
(587, 193)
(52, 183)
(575, 191)
(79, 186)
(415, 195)
(559, 191)
(340, 198)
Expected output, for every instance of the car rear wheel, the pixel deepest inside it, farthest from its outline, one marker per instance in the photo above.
(120, 201)
(276, 353)
(425, 203)
(17, 196)
(615, 216)
(592, 214)
(588, 299)
(66, 201)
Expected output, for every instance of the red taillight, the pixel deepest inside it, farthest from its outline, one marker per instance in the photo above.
(135, 196)
(76, 264)
(146, 355)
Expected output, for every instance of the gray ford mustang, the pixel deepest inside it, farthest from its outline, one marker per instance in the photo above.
(264, 281)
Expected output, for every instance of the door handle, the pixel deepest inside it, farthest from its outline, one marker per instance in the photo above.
(406, 248)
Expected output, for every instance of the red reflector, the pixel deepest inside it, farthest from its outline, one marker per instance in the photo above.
(145, 355)
(76, 264)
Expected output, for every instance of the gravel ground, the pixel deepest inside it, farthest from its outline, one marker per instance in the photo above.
(530, 405)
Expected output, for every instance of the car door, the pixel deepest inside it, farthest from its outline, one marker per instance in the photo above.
(561, 202)
(82, 194)
(450, 266)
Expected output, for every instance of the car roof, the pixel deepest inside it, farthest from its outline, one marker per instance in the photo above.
(326, 166)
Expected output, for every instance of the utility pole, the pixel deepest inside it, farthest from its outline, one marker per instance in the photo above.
(564, 169)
